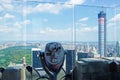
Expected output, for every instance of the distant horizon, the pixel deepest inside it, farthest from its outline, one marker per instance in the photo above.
(46, 41)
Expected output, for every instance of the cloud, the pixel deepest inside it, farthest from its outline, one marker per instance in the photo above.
(78, 24)
(25, 22)
(41, 7)
(113, 21)
(48, 33)
(55, 34)
(85, 33)
(115, 18)
(47, 7)
(51, 8)
(49, 30)
(1, 18)
(88, 29)
(16, 27)
(6, 29)
(5, 1)
(111, 24)
(7, 4)
(1, 9)
(83, 19)
(81, 22)
(76, 2)
(8, 16)
(42, 32)
(45, 20)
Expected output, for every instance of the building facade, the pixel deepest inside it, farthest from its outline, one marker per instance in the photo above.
(102, 34)
(36, 63)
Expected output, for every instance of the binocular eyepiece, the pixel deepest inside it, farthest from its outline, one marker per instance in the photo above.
(52, 59)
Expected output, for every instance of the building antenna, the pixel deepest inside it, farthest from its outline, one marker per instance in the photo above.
(102, 8)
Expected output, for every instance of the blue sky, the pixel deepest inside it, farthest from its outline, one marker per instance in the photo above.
(62, 20)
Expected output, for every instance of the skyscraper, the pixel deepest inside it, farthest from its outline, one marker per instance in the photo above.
(70, 60)
(36, 63)
(118, 48)
(102, 34)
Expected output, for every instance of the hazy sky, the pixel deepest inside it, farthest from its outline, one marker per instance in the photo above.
(62, 20)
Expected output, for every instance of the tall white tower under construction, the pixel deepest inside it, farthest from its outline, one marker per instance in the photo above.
(102, 34)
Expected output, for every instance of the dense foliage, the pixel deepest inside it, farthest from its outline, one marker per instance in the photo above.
(15, 55)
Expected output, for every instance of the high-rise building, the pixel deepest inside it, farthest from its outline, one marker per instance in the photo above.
(70, 60)
(102, 34)
(118, 48)
(36, 63)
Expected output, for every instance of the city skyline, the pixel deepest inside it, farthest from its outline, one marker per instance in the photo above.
(33, 20)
